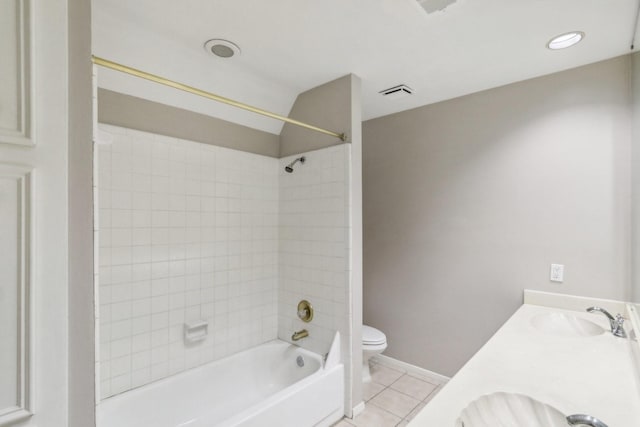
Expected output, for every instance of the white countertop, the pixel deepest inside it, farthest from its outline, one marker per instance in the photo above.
(591, 375)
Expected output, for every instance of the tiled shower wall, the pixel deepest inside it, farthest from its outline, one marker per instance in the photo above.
(186, 231)
(314, 257)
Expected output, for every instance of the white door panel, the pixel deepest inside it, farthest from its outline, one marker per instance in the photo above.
(33, 213)
(15, 72)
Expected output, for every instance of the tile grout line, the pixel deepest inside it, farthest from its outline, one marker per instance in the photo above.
(436, 387)
(389, 412)
(403, 419)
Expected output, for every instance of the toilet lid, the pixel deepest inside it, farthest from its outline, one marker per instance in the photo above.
(372, 335)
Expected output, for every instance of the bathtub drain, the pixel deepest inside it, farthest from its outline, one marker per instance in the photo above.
(300, 361)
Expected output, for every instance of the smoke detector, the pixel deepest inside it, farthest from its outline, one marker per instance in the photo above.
(397, 92)
(432, 6)
(222, 48)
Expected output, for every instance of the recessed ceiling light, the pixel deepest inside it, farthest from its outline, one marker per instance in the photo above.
(565, 40)
(222, 48)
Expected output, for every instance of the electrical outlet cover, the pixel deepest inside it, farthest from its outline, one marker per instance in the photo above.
(557, 273)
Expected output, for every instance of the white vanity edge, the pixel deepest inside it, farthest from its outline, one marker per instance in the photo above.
(484, 373)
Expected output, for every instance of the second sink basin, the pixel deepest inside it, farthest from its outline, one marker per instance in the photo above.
(508, 409)
(566, 325)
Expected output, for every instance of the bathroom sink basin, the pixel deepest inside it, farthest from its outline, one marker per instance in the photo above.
(566, 325)
(508, 409)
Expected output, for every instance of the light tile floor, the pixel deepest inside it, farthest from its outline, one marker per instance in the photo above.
(393, 398)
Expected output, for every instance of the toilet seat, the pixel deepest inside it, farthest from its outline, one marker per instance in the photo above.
(374, 347)
(371, 337)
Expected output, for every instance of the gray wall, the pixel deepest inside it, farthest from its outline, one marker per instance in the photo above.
(81, 402)
(467, 202)
(635, 159)
(136, 113)
(327, 106)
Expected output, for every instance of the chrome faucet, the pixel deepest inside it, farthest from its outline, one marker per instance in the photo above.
(584, 420)
(299, 335)
(616, 323)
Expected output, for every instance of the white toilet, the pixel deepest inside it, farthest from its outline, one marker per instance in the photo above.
(373, 342)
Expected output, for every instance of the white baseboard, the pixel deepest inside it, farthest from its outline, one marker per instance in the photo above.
(357, 410)
(409, 368)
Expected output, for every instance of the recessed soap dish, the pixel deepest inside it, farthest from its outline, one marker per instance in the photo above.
(195, 331)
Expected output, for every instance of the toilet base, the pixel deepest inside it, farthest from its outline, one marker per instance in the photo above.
(368, 352)
(366, 371)
(373, 342)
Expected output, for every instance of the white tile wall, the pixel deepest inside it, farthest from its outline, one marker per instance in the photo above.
(187, 231)
(314, 248)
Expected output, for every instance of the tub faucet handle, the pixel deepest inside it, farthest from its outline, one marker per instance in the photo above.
(305, 311)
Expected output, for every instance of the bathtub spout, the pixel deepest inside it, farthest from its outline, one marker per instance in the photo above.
(299, 335)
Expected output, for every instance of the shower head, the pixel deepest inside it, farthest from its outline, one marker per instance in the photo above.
(289, 167)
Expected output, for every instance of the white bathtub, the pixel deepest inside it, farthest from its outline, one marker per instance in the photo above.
(260, 387)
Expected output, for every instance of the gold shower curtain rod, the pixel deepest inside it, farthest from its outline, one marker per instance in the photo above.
(157, 79)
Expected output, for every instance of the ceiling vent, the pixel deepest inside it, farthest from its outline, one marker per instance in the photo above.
(432, 6)
(397, 92)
